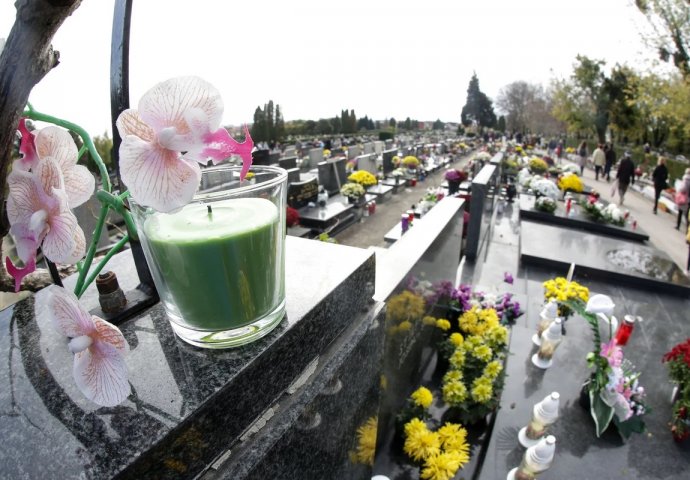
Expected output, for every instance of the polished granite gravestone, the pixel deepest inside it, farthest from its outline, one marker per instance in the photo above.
(482, 208)
(579, 453)
(577, 219)
(337, 214)
(188, 405)
(314, 432)
(614, 259)
(429, 254)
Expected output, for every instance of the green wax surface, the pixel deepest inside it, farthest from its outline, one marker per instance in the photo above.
(222, 269)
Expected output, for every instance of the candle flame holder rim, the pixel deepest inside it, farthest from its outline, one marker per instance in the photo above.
(280, 176)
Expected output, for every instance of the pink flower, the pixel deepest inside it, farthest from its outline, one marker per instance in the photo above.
(39, 215)
(176, 125)
(612, 352)
(27, 148)
(56, 143)
(508, 278)
(99, 347)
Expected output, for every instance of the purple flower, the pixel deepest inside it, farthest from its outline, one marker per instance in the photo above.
(508, 278)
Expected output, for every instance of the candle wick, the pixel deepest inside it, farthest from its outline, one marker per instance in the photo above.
(210, 210)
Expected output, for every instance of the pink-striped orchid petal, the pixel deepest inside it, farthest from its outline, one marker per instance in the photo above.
(58, 144)
(19, 273)
(220, 145)
(100, 370)
(165, 105)
(157, 177)
(27, 148)
(39, 215)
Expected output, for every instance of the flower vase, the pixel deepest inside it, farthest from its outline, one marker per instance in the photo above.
(219, 262)
(453, 187)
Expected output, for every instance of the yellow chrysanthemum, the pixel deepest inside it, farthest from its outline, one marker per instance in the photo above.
(483, 353)
(481, 392)
(489, 317)
(429, 320)
(454, 392)
(468, 321)
(453, 438)
(457, 359)
(456, 339)
(405, 326)
(473, 341)
(443, 466)
(363, 177)
(420, 444)
(443, 324)
(404, 306)
(366, 442)
(422, 397)
(498, 336)
(452, 375)
(493, 369)
(415, 425)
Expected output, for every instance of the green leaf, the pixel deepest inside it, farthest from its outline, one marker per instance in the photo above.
(634, 424)
(601, 413)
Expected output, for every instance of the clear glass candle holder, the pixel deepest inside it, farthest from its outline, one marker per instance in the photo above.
(219, 262)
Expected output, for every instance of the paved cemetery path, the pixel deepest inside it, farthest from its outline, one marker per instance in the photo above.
(369, 231)
(659, 227)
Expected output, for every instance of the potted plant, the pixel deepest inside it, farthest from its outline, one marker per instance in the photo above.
(678, 361)
(454, 177)
(353, 191)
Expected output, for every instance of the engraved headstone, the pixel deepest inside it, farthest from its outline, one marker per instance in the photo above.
(367, 163)
(368, 148)
(378, 147)
(287, 163)
(299, 194)
(354, 151)
(332, 174)
(388, 166)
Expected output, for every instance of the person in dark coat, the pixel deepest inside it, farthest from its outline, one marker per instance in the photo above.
(626, 171)
(610, 160)
(659, 176)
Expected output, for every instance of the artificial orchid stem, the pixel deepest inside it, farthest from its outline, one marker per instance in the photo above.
(116, 202)
(113, 250)
(86, 138)
(80, 287)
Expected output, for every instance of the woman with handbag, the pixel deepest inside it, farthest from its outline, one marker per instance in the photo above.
(682, 199)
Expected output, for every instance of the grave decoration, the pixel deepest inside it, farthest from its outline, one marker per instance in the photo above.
(363, 177)
(598, 212)
(366, 443)
(353, 191)
(613, 393)
(410, 162)
(439, 453)
(537, 166)
(175, 129)
(563, 291)
(545, 204)
(678, 361)
(570, 182)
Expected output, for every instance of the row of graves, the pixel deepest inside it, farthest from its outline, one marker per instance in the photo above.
(321, 189)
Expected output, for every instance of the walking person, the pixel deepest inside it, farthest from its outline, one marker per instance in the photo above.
(659, 177)
(582, 152)
(624, 175)
(599, 160)
(610, 160)
(682, 199)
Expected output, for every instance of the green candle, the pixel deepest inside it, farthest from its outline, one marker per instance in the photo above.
(221, 267)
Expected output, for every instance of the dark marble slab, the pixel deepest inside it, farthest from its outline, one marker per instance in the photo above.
(614, 259)
(188, 405)
(430, 253)
(382, 192)
(482, 209)
(577, 219)
(313, 430)
(579, 454)
(336, 210)
(443, 226)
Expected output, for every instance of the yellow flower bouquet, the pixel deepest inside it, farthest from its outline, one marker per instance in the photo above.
(570, 182)
(362, 177)
(561, 290)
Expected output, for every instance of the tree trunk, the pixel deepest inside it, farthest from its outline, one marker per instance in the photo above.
(27, 57)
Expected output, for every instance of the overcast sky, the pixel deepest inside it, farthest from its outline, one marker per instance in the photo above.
(381, 58)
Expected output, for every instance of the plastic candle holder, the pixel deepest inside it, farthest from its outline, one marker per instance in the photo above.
(219, 262)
